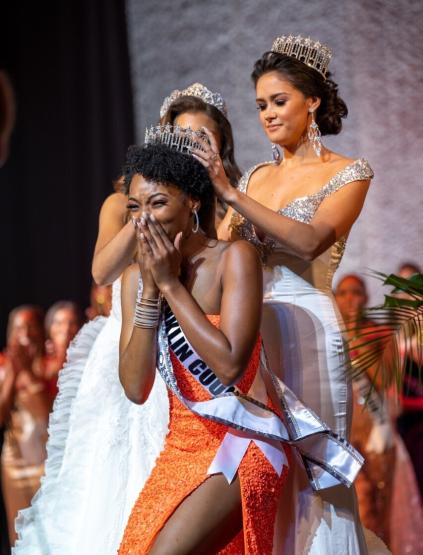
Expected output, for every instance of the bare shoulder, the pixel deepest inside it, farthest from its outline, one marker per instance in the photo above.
(115, 204)
(241, 254)
(335, 164)
(338, 161)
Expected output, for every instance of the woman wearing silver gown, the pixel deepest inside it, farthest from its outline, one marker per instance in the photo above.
(298, 212)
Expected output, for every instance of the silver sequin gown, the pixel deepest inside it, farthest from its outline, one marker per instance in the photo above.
(302, 336)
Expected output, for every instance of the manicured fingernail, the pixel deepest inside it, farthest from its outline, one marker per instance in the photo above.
(152, 218)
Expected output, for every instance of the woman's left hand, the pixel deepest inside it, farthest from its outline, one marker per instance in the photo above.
(164, 256)
(210, 158)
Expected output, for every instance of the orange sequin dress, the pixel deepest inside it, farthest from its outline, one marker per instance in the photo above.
(191, 445)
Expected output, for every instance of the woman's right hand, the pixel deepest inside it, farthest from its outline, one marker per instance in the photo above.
(144, 260)
(210, 158)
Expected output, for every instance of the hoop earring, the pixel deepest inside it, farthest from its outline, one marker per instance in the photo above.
(275, 153)
(196, 225)
(314, 135)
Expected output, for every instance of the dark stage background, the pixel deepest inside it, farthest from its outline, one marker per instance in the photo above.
(68, 61)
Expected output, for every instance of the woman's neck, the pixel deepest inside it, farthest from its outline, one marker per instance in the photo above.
(300, 153)
(193, 244)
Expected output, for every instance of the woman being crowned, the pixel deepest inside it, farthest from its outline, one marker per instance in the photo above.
(234, 426)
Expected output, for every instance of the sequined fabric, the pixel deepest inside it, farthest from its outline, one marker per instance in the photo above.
(191, 444)
(302, 336)
(301, 209)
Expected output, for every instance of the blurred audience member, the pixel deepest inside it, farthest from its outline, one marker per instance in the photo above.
(374, 483)
(408, 269)
(24, 410)
(101, 301)
(62, 323)
(389, 501)
(410, 422)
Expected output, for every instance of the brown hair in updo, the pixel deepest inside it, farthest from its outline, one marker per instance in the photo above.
(311, 83)
(186, 104)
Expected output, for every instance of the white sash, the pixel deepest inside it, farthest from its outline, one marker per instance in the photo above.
(329, 460)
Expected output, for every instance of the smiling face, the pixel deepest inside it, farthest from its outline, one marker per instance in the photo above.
(197, 120)
(284, 111)
(170, 206)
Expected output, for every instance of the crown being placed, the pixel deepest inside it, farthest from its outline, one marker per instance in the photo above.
(177, 138)
(310, 52)
(199, 91)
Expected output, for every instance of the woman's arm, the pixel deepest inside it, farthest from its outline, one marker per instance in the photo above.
(226, 350)
(333, 220)
(116, 241)
(137, 360)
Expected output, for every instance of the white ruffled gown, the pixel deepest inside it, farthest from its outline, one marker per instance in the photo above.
(301, 332)
(100, 451)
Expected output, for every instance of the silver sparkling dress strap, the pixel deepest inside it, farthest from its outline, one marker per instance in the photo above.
(357, 171)
(245, 179)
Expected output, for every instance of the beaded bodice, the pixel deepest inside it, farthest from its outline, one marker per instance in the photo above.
(301, 209)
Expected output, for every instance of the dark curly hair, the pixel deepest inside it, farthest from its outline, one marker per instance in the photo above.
(311, 83)
(164, 165)
(187, 104)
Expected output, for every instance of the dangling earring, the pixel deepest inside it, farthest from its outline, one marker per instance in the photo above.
(275, 153)
(314, 135)
(196, 225)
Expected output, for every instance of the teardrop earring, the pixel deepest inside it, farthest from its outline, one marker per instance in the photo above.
(276, 153)
(314, 135)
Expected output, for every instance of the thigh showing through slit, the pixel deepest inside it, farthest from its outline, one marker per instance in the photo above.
(204, 522)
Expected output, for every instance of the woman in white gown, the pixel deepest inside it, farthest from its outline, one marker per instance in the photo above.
(298, 213)
(102, 447)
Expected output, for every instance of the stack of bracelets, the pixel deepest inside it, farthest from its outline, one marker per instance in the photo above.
(147, 313)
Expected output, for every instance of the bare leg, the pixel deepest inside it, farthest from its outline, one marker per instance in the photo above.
(204, 522)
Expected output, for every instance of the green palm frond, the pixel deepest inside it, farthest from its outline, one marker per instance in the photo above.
(397, 344)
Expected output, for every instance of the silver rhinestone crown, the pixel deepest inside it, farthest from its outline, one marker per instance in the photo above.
(175, 137)
(199, 91)
(310, 52)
